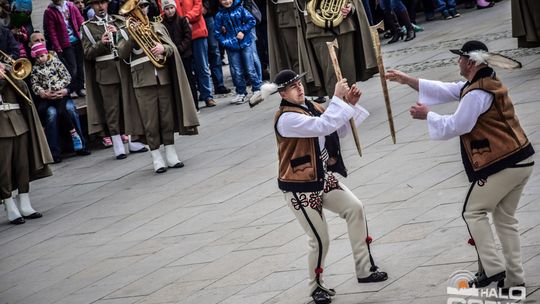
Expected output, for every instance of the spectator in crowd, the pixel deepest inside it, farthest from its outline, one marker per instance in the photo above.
(50, 80)
(397, 7)
(62, 21)
(192, 10)
(233, 28)
(21, 12)
(214, 55)
(178, 27)
(5, 13)
(254, 10)
(8, 44)
(447, 8)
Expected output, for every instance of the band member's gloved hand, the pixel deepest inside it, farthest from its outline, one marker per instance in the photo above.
(354, 95)
(342, 88)
(419, 111)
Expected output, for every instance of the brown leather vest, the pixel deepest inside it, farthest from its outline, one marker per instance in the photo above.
(300, 166)
(497, 141)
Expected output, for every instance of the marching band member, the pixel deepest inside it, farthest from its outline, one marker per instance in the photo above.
(24, 152)
(496, 154)
(309, 154)
(163, 95)
(108, 96)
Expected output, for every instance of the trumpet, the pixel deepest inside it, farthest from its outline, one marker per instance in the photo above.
(20, 69)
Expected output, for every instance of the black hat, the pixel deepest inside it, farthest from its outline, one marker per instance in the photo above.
(286, 77)
(470, 46)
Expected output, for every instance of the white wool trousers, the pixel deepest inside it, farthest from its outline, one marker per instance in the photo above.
(308, 209)
(499, 195)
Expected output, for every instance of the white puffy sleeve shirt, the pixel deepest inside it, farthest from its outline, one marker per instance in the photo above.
(335, 118)
(442, 127)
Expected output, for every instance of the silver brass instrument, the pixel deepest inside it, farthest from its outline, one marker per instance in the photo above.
(114, 49)
(326, 13)
(141, 31)
(20, 69)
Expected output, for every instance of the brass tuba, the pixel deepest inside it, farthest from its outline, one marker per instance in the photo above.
(141, 31)
(326, 13)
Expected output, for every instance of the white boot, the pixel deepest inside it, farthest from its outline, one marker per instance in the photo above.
(136, 147)
(172, 158)
(26, 208)
(118, 146)
(159, 164)
(12, 212)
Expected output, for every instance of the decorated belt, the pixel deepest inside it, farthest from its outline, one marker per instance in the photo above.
(9, 106)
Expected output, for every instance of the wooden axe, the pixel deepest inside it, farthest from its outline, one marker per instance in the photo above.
(331, 49)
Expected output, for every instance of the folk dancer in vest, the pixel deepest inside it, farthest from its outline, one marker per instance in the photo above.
(309, 154)
(24, 152)
(163, 95)
(496, 154)
(107, 95)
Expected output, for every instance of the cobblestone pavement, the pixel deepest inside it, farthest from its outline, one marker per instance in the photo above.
(217, 230)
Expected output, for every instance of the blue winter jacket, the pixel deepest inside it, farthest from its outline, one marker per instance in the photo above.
(234, 19)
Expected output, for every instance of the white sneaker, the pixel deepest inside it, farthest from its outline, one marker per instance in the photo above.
(239, 99)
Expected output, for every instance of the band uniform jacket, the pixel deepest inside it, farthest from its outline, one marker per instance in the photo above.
(107, 72)
(186, 120)
(364, 54)
(16, 122)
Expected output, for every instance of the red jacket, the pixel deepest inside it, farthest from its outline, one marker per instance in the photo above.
(55, 27)
(192, 10)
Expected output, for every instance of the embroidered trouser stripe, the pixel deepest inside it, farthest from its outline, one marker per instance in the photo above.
(499, 195)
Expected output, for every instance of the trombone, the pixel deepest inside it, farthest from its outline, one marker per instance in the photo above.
(20, 69)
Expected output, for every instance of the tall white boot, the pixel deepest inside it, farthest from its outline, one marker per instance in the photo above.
(118, 146)
(159, 164)
(12, 212)
(26, 208)
(136, 147)
(172, 158)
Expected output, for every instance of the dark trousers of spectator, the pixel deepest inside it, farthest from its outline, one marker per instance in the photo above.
(59, 116)
(188, 67)
(214, 56)
(73, 58)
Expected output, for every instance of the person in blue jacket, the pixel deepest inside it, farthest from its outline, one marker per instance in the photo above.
(232, 28)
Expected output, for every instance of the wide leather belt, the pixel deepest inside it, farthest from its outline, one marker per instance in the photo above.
(9, 106)
(104, 58)
(139, 61)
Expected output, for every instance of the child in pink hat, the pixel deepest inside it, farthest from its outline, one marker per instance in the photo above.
(50, 80)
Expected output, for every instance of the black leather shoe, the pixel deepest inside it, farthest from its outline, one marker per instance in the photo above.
(161, 170)
(57, 159)
(18, 221)
(32, 216)
(504, 290)
(121, 156)
(222, 90)
(83, 152)
(376, 276)
(141, 150)
(482, 280)
(321, 296)
(178, 165)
